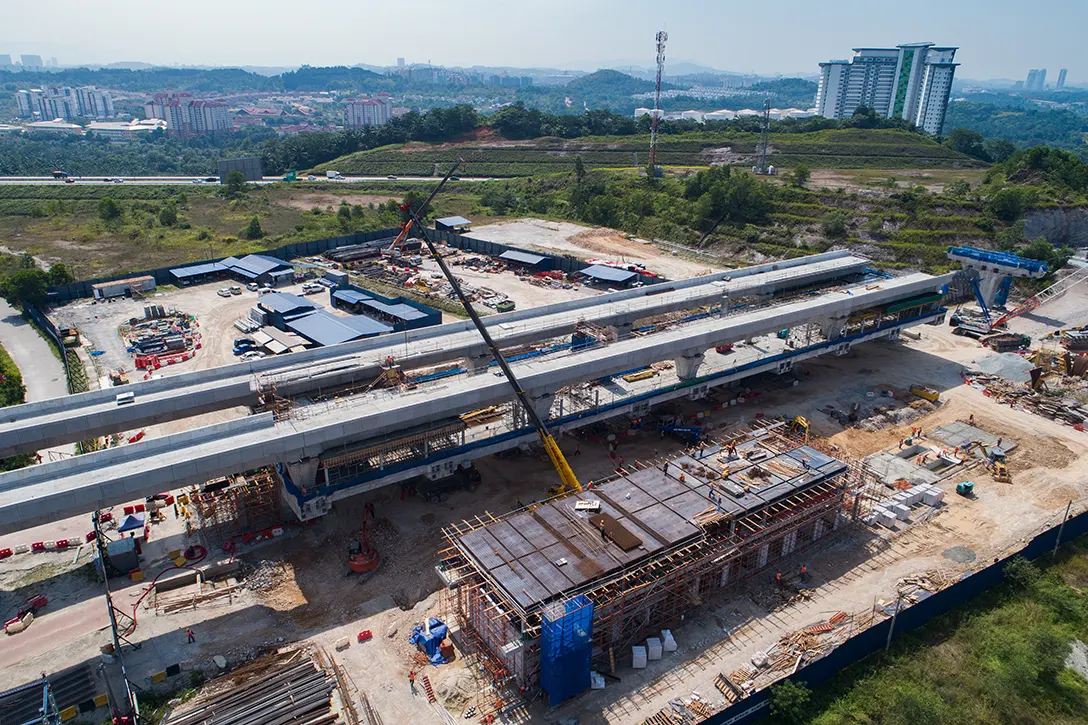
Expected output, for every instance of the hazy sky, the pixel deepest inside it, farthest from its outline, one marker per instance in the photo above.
(997, 38)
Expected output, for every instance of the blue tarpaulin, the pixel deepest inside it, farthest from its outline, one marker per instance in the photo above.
(430, 643)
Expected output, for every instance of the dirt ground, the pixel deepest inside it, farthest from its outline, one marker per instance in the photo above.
(315, 599)
(933, 180)
(305, 201)
(563, 237)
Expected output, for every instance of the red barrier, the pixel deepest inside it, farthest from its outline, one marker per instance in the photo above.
(89, 537)
(129, 510)
(62, 543)
(38, 546)
(139, 508)
(5, 553)
(365, 635)
(108, 516)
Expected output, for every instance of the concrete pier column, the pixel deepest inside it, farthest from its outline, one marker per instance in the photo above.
(542, 402)
(621, 331)
(833, 327)
(304, 473)
(478, 364)
(687, 364)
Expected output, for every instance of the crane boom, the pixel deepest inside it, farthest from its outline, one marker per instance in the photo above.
(566, 474)
(1052, 292)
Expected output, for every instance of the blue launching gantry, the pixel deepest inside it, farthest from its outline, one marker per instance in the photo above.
(991, 273)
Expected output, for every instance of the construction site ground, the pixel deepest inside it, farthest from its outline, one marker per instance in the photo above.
(302, 591)
(550, 237)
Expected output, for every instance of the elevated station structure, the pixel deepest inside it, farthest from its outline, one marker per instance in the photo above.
(355, 437)
(33, 426)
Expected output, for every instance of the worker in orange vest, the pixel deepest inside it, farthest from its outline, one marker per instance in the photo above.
(804, 570)
(412, 680)
(778, 578)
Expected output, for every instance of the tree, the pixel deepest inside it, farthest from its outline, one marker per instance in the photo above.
(168, 217)
(26, 261)
(834, 225)
(59, 275)
(579, 169)
(999, 149)
(414, 201)
(253, 229)
(967, 142)
(800, 176)
(234, 185)
(25, 285)
(108, 209)
(788, 700)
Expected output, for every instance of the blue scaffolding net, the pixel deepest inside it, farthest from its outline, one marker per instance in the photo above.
(566, 646)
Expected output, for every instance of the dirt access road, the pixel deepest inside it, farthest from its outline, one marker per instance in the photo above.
(549, 237)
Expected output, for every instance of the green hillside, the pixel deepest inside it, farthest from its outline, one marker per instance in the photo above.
(840, 149)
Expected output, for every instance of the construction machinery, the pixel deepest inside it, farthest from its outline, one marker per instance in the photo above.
(965, 488)
(926, 393)
(362, 556)
(995, 461)
(568, 481)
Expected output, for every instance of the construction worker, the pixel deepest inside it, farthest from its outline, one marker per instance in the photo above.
(621, 461)
(804, 570)
(577, 449)
(604, 536)
(778, 578)
(901, 440)
(412, 680)
(189, 635)
(971, 419)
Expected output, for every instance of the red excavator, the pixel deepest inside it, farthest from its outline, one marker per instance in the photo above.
(362, 557)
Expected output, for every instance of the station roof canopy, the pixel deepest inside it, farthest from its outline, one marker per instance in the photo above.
(325, 328)
(514, 255)
(352, 297)
(608, 274)
(197, 270)
(453, 221)
(284, 302)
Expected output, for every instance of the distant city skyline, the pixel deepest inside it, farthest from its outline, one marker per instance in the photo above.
(997, 38)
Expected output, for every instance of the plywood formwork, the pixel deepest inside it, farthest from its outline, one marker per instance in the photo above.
(704, 521)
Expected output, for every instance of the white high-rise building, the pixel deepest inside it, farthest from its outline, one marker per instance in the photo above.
(911, 81)
(1061, 79)
(48, 104)
(94, 103)
(31, 62)
(368, 111)
(185, 115)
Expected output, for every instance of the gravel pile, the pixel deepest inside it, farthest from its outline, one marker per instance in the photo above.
(265, 576)
(1008, 365)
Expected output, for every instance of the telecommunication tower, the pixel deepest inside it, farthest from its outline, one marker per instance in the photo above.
(764, 132)
(655, 119)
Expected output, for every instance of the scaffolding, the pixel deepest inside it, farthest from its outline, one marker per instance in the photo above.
(502, 594)
(237, 505)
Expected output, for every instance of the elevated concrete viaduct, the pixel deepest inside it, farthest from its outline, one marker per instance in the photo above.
(42, 493)
(34, 426)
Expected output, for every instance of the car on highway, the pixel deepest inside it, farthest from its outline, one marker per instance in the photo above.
(118, 180)
(223, 292)
(391, 177)
(198, 181)
(69, 180)
(311, 177)
(211, 179)
(253, 355)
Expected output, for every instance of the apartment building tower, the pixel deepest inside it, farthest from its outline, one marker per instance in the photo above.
(368, 111)
(911, 81)
(47, 104)
(1061, 79)
(187, 116)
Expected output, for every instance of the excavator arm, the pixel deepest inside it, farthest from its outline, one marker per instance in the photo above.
(569, 482)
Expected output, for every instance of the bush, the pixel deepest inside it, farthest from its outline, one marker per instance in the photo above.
(168, 217)
(788, 700)
(108, 209)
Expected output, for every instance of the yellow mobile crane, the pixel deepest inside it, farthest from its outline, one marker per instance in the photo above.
(569, 482)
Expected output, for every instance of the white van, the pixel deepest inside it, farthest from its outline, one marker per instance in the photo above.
(125, 398)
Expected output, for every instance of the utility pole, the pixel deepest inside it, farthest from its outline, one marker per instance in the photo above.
(1058, 540)
(895, 615)
(764, 131)
(655, 119)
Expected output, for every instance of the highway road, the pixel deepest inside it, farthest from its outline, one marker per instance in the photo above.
(198, 180)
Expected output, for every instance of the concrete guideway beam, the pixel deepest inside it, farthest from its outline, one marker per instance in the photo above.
(42, 493)
(28, 427)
